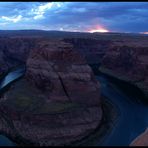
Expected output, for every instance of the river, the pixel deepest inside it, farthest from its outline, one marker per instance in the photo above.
(7, 80)
(11, 76)
(133, 119)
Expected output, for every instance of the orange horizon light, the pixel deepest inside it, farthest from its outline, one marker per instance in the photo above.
(99, 29)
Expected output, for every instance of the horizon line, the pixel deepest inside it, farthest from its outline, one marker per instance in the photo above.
(145, 33)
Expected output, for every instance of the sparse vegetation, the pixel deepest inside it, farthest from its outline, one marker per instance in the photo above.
(56, 108)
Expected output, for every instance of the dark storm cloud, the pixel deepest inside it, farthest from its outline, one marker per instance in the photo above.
(75, 16)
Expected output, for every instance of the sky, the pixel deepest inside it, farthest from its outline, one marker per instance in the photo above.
(131, 17)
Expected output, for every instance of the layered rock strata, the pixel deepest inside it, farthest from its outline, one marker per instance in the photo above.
(129, 64)
(57, 102)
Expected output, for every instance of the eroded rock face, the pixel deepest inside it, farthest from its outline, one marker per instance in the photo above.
(93, 49)
(141, 140)
(128, 63)
(14, 51)
(58, 100)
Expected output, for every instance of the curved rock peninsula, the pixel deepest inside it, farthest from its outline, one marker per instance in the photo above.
(56, 103)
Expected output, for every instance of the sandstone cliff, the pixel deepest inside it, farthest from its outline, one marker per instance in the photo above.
(93, 49)
(57, 102)
(129, 64)
(14, 51)
(141, 140)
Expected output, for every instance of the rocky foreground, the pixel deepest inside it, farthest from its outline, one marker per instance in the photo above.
(141, 140)
(58, 100)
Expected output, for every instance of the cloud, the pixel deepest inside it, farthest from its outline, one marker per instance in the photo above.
(72, 16)
(41, 9)
(39, 16)
(13, 19)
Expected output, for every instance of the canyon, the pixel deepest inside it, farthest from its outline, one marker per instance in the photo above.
(58, 101)
(129, 64)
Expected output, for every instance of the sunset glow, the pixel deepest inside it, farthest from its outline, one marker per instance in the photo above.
(98, 29)
(75, 17)
(145, 32)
